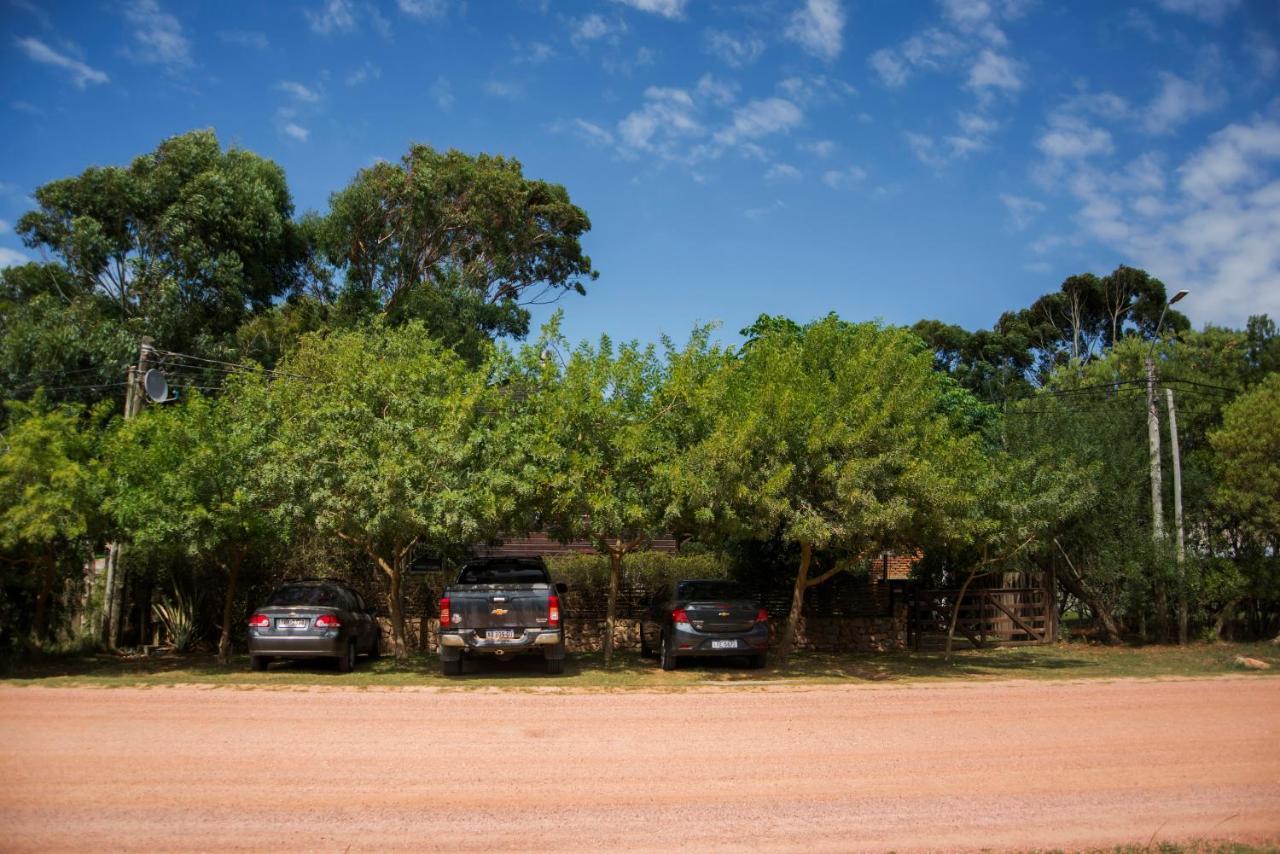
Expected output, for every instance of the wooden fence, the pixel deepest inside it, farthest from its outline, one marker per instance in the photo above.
(1006, 615)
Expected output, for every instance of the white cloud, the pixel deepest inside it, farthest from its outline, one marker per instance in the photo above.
(157, 36)
(820, 88)
(12, 258)
(245, 38)
(667, 119)
(757, 214)
(81, 74)
(890, 66)
(534, 53)
(1179, 101)
(297, 131)
(593, 132)
(363, 74)
(761, 118)
(423, 9)
(4, 226)
(716, 90)
(510, 90)
(925, 149)
(783, 172)
(1212, 11)
(1038, 267)
(1021, 209)
(818, 27)
(1264, 53)
(1234, 155)
(844, 179)
(442, 93)
(993, 71)
(298, 91)
(731, 50)
(821, 148)
(1072, 138)
(665, 8)
(335, 16)
(595, 27)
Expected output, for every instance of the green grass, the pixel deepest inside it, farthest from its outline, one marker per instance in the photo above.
(630, 672)
(1192, 847)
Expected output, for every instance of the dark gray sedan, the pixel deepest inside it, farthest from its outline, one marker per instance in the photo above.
(704, 618)
(314, 619)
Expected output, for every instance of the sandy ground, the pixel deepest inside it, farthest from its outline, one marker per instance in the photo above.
(940, 767)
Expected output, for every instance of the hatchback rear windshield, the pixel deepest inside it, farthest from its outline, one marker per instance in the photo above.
(502, 574)
(306, 594)
(709, 590)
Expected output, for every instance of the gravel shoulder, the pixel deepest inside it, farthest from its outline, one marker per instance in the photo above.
(924, 767)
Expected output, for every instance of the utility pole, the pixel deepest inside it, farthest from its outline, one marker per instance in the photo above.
(1177, 519)
(114, 588)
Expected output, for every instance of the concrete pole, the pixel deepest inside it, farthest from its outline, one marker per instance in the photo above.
(1177, 519)
(1157, 498)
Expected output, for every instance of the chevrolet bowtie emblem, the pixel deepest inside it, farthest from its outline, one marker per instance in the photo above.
(724, 613)
(498, 612)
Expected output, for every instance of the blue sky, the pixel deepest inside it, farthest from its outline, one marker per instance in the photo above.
(897, 160)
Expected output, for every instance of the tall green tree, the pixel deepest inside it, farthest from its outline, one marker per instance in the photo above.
(182, 482)
(832, 437)
(381, 438)
(50, 490)
(461, 243)
(186, 242)
(1248, 456)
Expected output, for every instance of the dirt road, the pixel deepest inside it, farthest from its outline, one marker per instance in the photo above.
(943, 767)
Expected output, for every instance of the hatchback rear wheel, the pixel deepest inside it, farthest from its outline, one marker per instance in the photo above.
(666, 656)
(347, 662)
(257, 662)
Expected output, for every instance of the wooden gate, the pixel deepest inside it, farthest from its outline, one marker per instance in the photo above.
(1017, 613)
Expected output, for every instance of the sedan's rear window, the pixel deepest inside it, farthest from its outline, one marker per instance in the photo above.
(306, 594)
(709, 590)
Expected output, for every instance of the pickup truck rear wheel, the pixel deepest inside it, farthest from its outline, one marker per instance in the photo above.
(555, 666)
(666, 658)
(451, 668)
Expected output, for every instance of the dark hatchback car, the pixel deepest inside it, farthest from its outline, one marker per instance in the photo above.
(314, 619)
(704, 618)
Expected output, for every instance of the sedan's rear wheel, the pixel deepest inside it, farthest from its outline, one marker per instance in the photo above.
(347, 662)
(257, 662)
(451, 668)
(666, 656)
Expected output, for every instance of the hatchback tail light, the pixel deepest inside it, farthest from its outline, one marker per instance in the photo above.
(762, 616)
(553, 612)
(328, 621)
(444, 612)
(259, 621)
(679, 616)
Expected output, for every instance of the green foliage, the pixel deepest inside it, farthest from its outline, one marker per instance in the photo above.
(457, 242)
(1248, 458)
(648, 569)
(179, 618)
(186, 241)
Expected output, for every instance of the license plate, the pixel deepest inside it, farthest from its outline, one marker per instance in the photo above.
(730, 644)
(500, 634)
(293, 623)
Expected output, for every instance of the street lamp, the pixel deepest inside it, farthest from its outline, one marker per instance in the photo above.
(1157, 486)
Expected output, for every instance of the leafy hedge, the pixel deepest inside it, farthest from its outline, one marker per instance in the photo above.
(589, 574)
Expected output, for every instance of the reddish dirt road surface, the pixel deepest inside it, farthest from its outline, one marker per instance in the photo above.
(925, 766)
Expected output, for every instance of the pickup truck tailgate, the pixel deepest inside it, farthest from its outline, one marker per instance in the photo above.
(481, 606)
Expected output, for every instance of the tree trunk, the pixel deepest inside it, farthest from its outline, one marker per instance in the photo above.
(955, 612)
(611, 610)
(1220, 622)
(1074, 583)
(224, 642)
(1162, 611)
(40, 625)
(797, 601)
(395, 599)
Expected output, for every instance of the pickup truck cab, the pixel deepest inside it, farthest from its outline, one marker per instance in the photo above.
(501, 607)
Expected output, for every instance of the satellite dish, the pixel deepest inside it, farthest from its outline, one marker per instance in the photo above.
(156, 386)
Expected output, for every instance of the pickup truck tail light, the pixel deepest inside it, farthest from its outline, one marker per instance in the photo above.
(553, 612)
(327, 621)
(679, 616)
(445, 611)
(259, 621)
(762, 616)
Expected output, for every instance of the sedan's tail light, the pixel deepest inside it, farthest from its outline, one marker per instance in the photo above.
(553, 612)
(762, 616)
(679, 616)
(444, 612)
(259, 621)
(328, 621)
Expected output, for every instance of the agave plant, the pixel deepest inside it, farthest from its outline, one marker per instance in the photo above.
(178, 616)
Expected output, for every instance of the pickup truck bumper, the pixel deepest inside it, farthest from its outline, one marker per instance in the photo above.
(454, 642)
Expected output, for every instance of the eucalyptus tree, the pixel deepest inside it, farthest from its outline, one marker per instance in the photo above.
(182, 482)
(381, 437)
(832, 436)
(50, 491)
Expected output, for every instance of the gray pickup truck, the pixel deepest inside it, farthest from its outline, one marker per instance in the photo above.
(501, 607)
